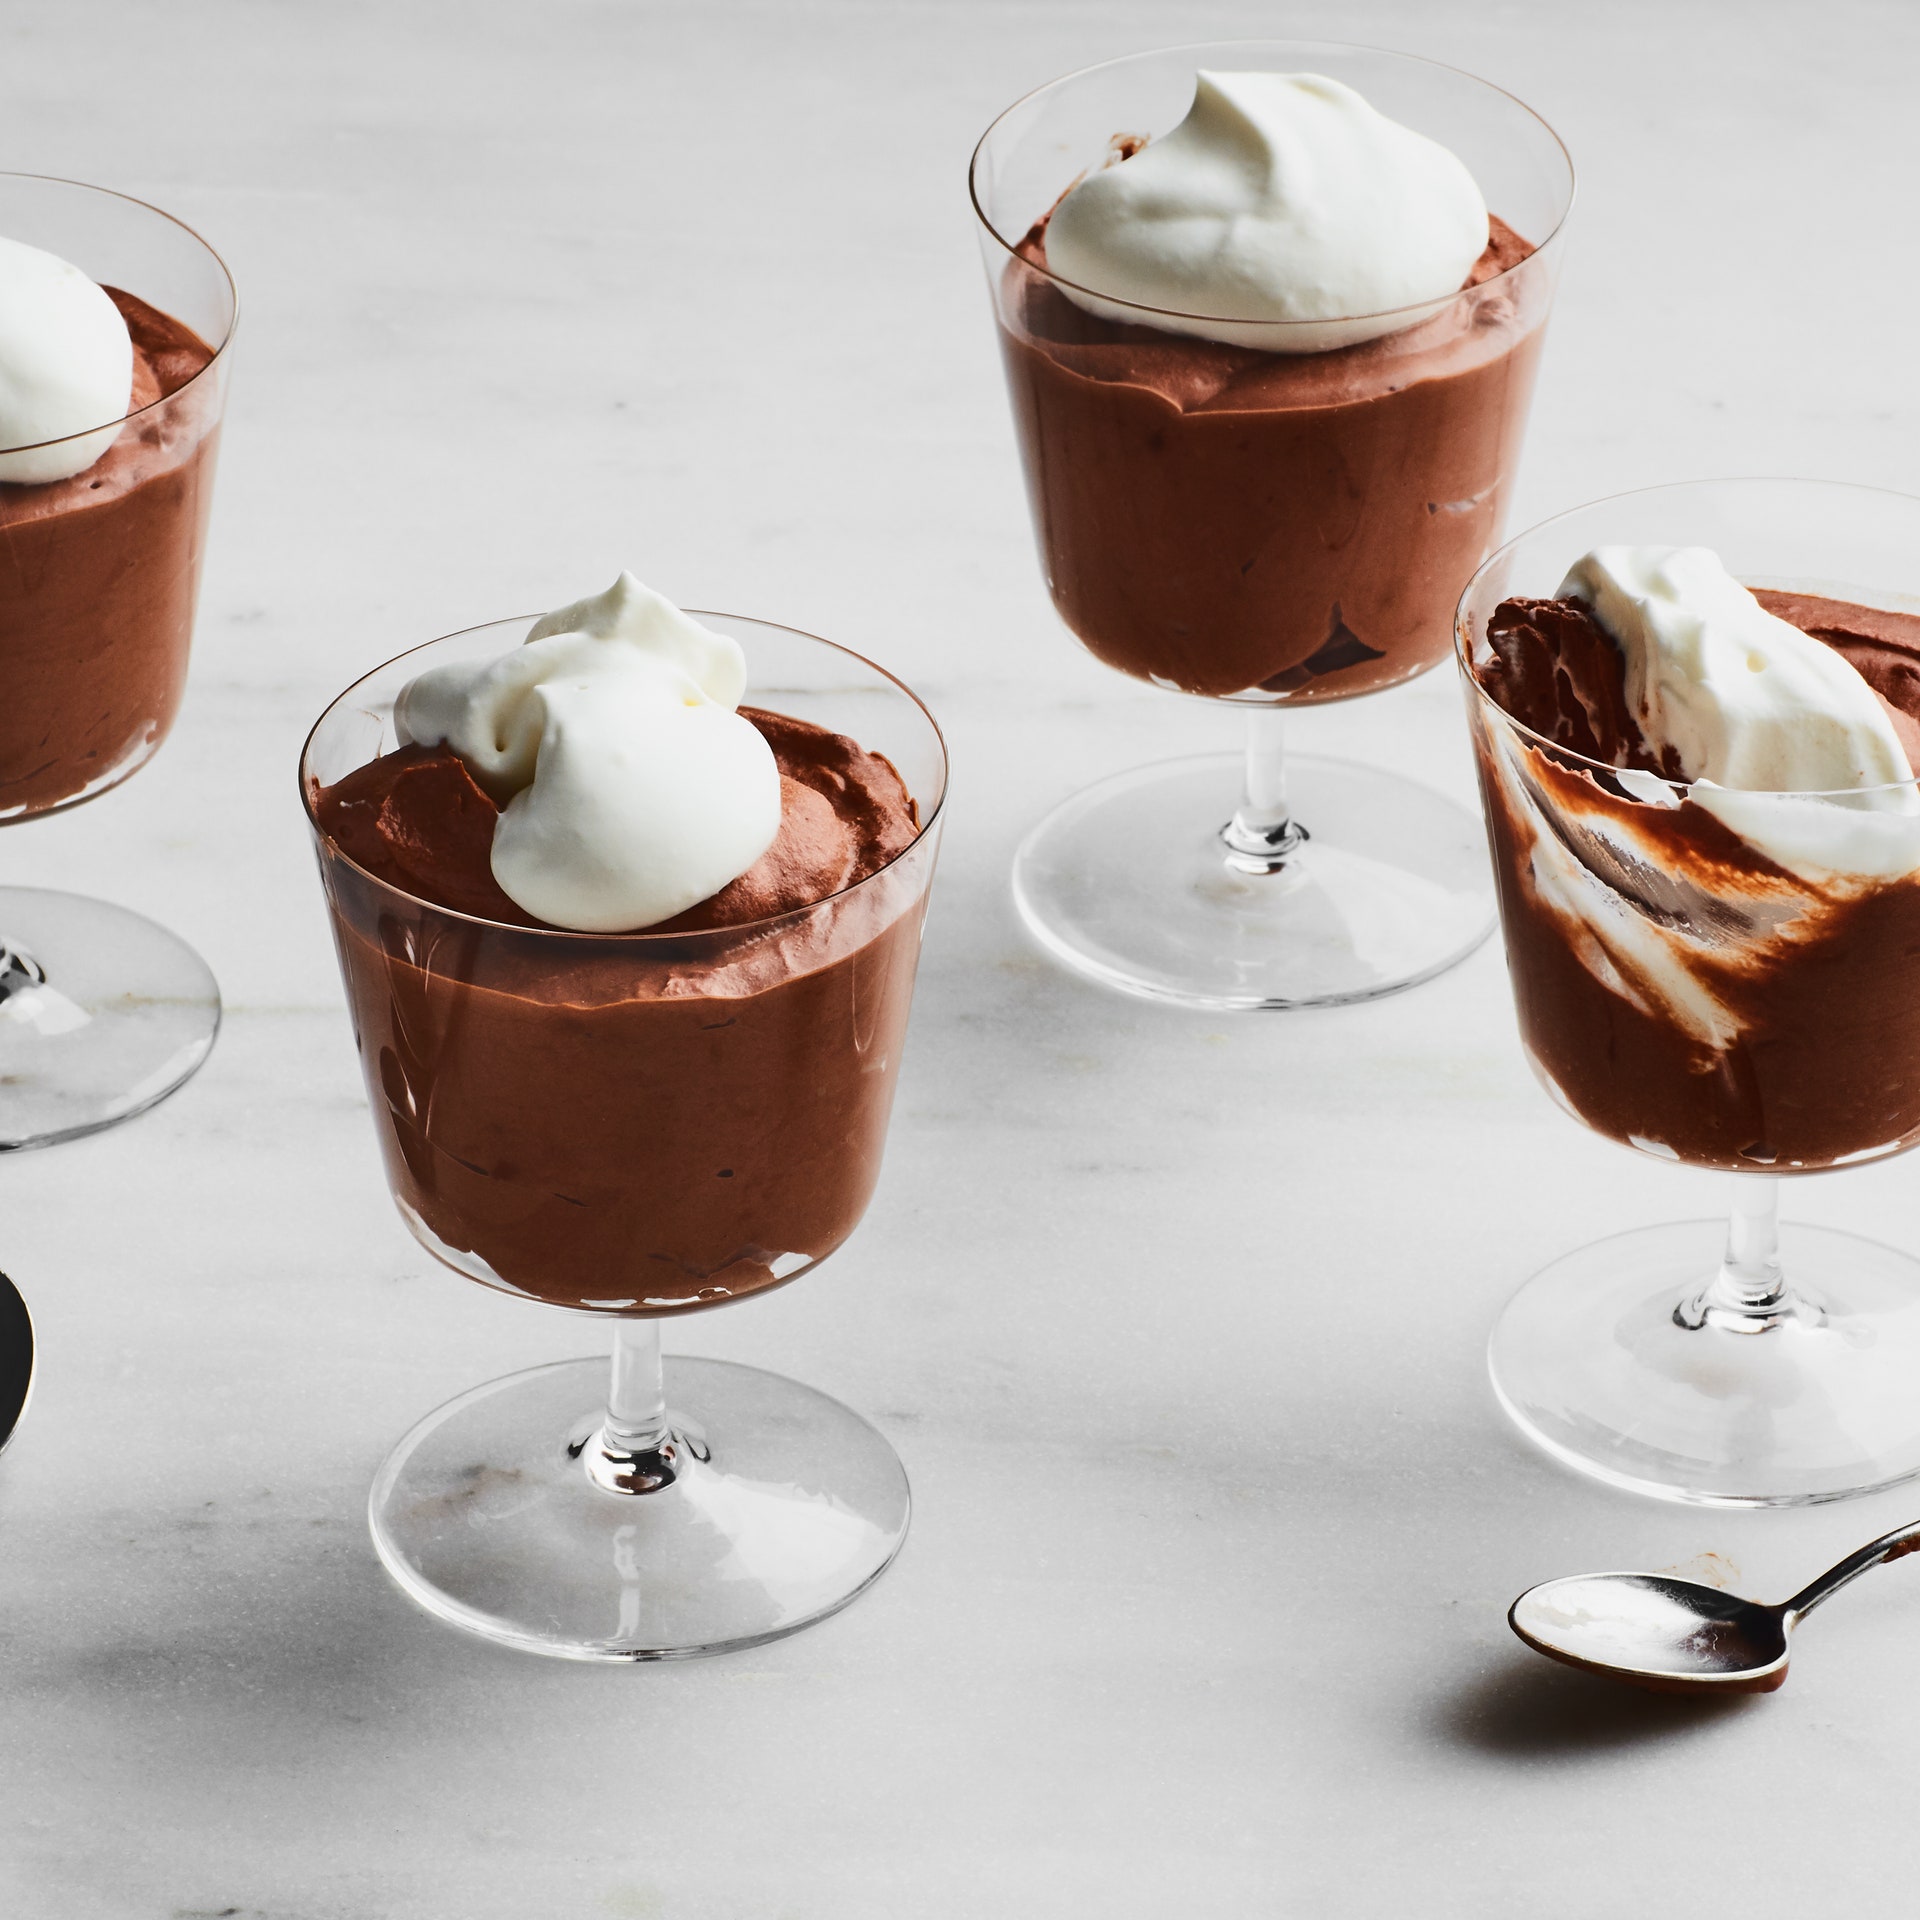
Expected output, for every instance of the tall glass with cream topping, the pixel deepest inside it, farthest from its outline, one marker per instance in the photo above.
(630, 1043)
(1696, 714)
(1270, 314)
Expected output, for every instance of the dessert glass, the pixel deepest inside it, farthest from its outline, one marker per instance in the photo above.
(1306, 547)
(631, 1126)
(102, 1013)
(1682, 994)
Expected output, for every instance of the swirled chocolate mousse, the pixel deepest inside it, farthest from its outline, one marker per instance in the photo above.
(644, 1117)
(100, 531)
(1707, 842)
(1283, 499)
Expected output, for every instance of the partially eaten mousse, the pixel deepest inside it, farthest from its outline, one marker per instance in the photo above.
(629, 963)
(107, 438)
(1707, 838)
(1270, 374)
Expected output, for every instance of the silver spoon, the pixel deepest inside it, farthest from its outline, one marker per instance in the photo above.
(1675, 1636)
(16, 1359)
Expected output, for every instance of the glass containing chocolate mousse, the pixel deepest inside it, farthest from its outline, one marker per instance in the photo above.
(631, 1120)
(1270, 314)
(1696, 714)
(115, 320)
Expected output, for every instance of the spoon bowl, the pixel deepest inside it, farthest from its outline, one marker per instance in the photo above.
(1676, 1636)
(1671, 1636)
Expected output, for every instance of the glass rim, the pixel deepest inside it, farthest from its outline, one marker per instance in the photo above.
(735, 929)
(1462, 642)
(1414, 310)
(166, 399)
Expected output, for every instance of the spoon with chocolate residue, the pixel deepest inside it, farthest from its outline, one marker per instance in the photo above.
(1676, 1636)
(16, 1359)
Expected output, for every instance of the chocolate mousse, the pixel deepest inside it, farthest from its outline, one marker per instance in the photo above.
(1679, 987)
(98, 575)
(1225, 520)
(635, 1123)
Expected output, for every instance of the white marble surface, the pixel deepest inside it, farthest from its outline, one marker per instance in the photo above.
(1177, 1321)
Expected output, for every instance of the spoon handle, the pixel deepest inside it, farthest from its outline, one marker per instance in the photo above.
(1890, 1546)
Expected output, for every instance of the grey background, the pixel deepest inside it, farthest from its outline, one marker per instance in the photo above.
(1177, 1321)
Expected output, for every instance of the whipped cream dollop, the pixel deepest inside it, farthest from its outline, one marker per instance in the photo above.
(66, 365)
(631, 789)
(1281, 197)
(1813, 771)
(1745, 698)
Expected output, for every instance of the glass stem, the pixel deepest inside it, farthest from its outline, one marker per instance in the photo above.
(635, 1449)
(1749, 1293)
(1263, 834)
(19, 972)
(26, 999)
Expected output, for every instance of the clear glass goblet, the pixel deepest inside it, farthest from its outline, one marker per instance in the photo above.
(1723, 981)
(1272, 523)
(103, 1013)
(633, 1126)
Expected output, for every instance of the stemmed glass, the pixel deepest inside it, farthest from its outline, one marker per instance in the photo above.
(102, 1012)
(1271, 526)
(632, 1126)
(1681, 992)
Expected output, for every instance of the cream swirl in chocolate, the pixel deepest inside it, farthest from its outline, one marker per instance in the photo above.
(1717, 976)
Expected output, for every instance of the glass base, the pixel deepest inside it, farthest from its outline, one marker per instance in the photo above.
(787, 1505)
(1590, 1361)
(1130, 883)
(102, 1014)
